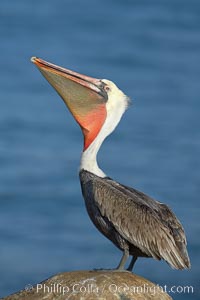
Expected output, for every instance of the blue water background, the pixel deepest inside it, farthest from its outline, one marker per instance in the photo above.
(151, 49)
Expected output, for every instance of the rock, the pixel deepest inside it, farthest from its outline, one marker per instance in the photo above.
(91, 285)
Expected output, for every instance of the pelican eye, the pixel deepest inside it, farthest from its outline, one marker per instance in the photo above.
(107, 88)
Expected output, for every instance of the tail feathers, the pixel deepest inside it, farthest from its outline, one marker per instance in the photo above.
(178, 258)
(175, 252)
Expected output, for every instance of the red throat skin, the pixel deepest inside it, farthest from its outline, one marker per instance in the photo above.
(91, 124)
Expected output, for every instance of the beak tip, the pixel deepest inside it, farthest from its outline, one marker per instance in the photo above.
(33, 59)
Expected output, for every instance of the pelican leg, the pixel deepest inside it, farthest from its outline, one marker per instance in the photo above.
(133, 260)
(123, 260)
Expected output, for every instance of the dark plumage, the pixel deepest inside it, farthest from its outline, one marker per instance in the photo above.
(134, 222)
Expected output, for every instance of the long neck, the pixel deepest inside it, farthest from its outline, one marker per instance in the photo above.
(115, 109)
(89, 157)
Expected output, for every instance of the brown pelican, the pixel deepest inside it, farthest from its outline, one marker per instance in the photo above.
(134, 222)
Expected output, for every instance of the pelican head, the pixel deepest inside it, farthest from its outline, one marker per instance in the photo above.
(91, 101)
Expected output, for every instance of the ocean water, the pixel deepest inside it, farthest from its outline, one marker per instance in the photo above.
(151, 50)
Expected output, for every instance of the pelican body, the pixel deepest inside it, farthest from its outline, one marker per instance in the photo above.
(137, 224)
